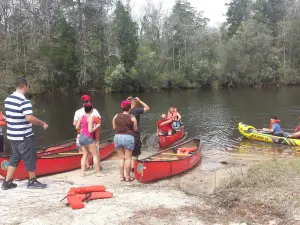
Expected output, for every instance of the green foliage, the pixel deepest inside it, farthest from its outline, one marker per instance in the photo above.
(84, 44)
(126, 32)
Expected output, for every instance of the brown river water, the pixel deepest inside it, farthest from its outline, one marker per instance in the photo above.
(213, 114)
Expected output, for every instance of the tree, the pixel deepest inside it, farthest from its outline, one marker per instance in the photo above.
(126, 31)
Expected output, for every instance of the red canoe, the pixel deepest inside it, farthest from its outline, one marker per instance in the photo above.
(168, 163)
(56, 163)
(165, 141)
(61, 147)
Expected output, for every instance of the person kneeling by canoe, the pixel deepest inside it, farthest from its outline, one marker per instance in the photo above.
(296, 133)
(164, 126)
(274, 126)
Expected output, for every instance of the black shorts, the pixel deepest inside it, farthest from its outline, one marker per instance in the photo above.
(137, 144)
(25, 150)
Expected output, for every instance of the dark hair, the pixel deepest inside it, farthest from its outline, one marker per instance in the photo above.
(126, 108)
(274, 117)
(21, 82)
(88, 108)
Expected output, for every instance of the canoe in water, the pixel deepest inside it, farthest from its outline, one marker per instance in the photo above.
(166, 141)
(251, 133)
(168, 162)
(56, 163)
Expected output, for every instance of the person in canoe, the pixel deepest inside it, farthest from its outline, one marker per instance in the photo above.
(274, 126)
(86, 139)
(97, 119)
(296, 133)
(124, 124)
(164, 126)
(176, 118)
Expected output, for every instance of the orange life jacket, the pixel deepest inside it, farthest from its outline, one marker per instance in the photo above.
(2, 120)
(97, 120)
(76, 196)
(172, 115)
(185, 151)
(275, 121)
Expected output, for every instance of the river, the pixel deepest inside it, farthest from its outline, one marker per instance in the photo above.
(213, 114)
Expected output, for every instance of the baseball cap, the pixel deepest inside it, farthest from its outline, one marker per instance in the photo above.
(85, 98)
(125, 103)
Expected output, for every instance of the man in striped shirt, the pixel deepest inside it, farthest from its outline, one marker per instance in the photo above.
(19, 118)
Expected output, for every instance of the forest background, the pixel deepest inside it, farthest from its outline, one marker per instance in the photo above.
(80, 45)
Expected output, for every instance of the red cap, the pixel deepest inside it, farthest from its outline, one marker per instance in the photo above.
(85, 98)
(125, 103)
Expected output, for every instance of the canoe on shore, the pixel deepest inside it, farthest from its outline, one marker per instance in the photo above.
(56, 148)
(166, 141)
(251, 133)
(56, 163)
(168, 162)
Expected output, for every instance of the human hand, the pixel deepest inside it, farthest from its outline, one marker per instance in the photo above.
(136, 99)
(45, 126)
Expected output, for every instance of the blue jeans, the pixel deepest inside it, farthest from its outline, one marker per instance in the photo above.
(124, 141)
(84, 140)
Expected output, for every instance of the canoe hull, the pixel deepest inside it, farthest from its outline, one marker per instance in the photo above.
(166, 141)
(47, 166)
(148, 171)
(250, 132)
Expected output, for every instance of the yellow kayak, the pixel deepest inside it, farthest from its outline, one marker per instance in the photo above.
(251, 133)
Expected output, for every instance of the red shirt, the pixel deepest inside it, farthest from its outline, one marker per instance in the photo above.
(165, 127)
(297, 128)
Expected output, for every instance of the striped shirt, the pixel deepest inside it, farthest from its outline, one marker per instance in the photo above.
(16, 108)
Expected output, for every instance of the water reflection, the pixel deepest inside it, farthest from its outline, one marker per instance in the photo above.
(214, 114)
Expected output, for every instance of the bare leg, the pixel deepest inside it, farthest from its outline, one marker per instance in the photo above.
(96, 160)
(169, 132)
(31, 174)
(83, 159)
(121, 155)
(128, 158)
(10, 173)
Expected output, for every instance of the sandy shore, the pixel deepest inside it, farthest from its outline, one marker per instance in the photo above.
(169, 201)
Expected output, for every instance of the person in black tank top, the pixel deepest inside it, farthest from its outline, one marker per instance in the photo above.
(124, 125)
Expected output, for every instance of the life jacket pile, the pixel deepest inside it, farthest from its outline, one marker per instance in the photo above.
(185, 151)
(76, 196)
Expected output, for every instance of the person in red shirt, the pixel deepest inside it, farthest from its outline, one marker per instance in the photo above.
(164, 126)
(296, 133)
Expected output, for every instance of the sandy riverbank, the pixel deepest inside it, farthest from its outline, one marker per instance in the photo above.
(185, 199)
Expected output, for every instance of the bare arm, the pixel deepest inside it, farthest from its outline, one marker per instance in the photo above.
(91, 129)
(114, 123)
(135, 127)
(166, 122)
(268, 130)
(33, 120)
(77, 125)
(145, 106)
(179, 116)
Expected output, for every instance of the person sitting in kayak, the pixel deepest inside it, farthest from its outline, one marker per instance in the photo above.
(164, 126)
(176, 118)
(296, 133)
(274, 126)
